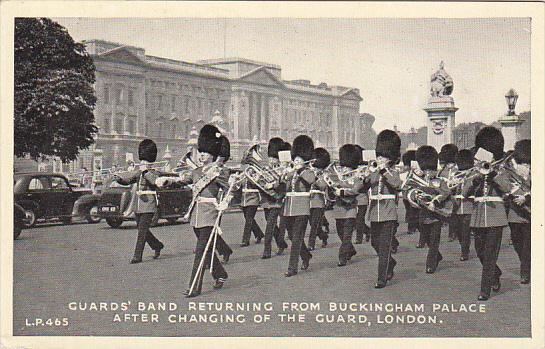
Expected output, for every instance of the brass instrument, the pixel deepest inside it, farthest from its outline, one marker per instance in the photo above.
(518, 183)
(258, 172)
(469, 174)
(335, 178)
(421, 192)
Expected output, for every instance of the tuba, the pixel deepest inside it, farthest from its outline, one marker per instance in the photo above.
(258, 172)
(421, 192)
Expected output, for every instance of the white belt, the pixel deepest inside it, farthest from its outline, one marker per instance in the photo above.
(488, 199)
(250, 190)
(382, 197)
(298, 193)
(459, 197)
(146, 192)
(313, 191)
(209, 200)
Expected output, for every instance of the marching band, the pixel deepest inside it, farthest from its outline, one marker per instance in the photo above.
(476, 191)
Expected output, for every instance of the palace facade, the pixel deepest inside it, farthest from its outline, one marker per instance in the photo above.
(141, 96)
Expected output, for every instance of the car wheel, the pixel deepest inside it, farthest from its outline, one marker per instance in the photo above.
(66, 220)
(30, 219)
(17, 228)
(172, 220)
(114, 222)
(93, 217)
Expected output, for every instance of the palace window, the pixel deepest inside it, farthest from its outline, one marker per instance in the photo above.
(119, 124)
(118, 96)
(173, 131)
(107, 94)
(106, 124)
(131, 125)
(160, 102)
(130, 97)
(173, 103)
(160, 130)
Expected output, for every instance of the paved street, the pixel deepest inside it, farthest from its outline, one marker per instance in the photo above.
(55, 265)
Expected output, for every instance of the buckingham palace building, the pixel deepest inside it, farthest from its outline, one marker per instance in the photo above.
(141, 96)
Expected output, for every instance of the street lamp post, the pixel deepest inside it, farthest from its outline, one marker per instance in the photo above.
(510, 122)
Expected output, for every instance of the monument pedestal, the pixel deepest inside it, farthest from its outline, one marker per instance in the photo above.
(441, 120)
(510, 126)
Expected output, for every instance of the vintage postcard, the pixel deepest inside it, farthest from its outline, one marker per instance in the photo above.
(244, 174)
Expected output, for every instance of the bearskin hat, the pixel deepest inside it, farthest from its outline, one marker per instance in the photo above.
(225, 148)
(322, 158)
(286, 146)
(427, 157)
(147, 150)
(275, 145)
(464, 159)
(523, 152)
(302, 147)
(490, 138)
(388, 145)
(349, 156)
(448, 152)
(360, 149)
(209, 140)
(410, 155)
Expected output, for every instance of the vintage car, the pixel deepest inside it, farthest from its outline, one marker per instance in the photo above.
(117, 201)
(46, 196)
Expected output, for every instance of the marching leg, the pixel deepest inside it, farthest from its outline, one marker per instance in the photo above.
(434, 256)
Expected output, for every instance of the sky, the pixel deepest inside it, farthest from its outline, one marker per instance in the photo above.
(389, 60)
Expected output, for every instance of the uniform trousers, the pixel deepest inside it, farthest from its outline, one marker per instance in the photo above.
(296, 227)
(203, 234)
(411, 217)
(382, 235)
(460, 224)
(361, 228)
(250, 224)
(522, 239)
(143, 221)
(345, 228)
(316, 216)
(487, 245)
(271, 215)
(433, 233)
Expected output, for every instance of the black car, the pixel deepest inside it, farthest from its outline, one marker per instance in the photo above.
(46, 196)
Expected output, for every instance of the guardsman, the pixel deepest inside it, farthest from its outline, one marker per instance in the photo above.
(363, 200)
(489, 215)
(429, 221)
(346, 204)
(411, 213)
(281, 219)
(272, 205)
(249, 203)
(296, 210)
(520, 218)
(463, 206)
(317, 199)
(210, 181)
(385, 185)
(146, 201)
(224, 155)
(447, 162)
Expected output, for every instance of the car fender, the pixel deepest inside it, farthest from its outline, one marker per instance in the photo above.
(29, 204)
(82, 205)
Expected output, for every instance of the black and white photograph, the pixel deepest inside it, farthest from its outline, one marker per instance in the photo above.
(182, 173)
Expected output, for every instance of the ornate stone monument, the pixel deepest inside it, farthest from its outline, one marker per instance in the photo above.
(510, 122)
(440, 108)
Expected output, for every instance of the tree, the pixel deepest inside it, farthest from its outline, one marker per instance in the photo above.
(54, 93)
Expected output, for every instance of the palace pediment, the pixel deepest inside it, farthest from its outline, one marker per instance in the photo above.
(353, 95)
(261, 76)
(122, 54)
